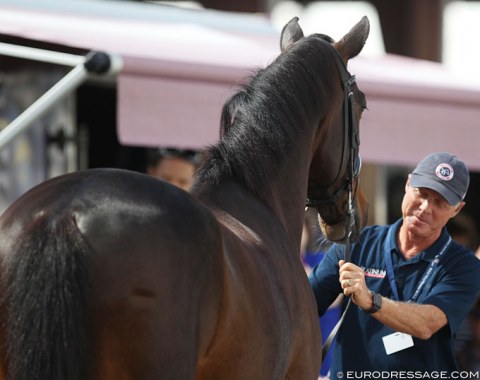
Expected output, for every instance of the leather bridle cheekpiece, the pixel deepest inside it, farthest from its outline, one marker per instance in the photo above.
(350, 132)
(350, 129)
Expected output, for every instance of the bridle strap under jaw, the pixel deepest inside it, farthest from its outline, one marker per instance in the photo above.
(354, 174)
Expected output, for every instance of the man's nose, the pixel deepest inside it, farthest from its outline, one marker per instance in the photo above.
(424, 205)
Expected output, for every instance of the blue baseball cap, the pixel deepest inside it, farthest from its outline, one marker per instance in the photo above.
(445, 173)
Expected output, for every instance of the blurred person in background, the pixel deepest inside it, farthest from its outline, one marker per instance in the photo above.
(469, 357)
(172, 165)
(311, 253)
(463, 230)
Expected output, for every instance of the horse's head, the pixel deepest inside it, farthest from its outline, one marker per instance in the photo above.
(333, 184)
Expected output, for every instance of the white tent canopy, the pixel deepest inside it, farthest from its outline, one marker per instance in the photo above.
(179, 66)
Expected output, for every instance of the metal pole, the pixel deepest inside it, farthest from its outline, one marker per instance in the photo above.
(67, 84)
(94, 62)
(41, 55)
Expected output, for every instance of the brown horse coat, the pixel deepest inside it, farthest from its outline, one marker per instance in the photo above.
(113, 275)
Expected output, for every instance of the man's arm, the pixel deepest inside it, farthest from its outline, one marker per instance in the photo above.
(324, 281)
(421, 321)
(418, 320)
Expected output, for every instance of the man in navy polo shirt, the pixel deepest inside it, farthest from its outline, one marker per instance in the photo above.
(409, 283)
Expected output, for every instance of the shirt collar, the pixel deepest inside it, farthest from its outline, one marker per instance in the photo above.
(427, 255)
(391, 240)
(431, 251)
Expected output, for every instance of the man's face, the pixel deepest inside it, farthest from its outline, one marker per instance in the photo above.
(425, 212)
(177, 171)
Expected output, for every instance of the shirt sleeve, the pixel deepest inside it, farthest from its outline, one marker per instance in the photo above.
(324, 279)
(457, 288)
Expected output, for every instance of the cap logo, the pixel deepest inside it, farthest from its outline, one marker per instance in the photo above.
(444, 172)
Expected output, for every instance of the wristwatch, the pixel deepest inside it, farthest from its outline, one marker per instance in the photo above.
(377, 303)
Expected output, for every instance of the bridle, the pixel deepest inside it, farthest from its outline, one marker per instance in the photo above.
(351, 136)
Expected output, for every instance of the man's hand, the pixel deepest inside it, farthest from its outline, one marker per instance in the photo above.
(352, 280)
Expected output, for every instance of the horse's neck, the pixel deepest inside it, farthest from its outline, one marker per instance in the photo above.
(229, 197)
(288, 191)
(282, 205)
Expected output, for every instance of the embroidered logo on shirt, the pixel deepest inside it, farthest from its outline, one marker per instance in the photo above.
(376, 273)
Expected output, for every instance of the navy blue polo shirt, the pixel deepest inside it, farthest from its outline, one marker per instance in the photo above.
(452, 286)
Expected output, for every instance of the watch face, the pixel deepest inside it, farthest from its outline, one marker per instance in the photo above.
(377, 303)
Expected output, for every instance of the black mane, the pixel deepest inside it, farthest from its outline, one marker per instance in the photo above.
(261, 122)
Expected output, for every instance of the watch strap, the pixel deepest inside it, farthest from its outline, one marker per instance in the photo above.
(377, 303)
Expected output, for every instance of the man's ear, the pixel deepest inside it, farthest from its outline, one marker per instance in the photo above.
(407, 184)
(458, 208)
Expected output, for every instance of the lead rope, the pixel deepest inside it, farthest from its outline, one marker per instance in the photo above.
(347, 256)
(333, 333)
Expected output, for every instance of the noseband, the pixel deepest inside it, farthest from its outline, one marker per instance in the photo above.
(351, 136)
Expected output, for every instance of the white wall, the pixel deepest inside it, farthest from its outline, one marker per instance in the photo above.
(332, 18)
(461, 33)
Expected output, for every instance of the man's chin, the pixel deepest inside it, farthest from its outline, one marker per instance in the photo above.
(418, 228)
(415, 221)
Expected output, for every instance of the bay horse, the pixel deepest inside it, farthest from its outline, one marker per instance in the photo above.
(114, 275)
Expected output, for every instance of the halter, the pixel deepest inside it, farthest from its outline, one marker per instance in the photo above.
(350, 132)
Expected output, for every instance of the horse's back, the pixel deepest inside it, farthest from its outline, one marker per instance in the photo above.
(152, 266)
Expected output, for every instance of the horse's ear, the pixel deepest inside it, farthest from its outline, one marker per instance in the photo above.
(352, 43)
(291, 33)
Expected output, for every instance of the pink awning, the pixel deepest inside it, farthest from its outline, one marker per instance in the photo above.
(416, 107)
(178, 72)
